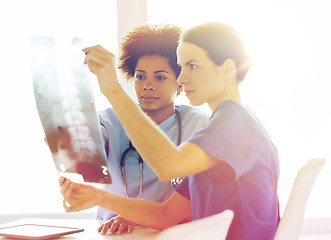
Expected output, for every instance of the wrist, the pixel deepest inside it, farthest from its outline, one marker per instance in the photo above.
(99, 198)
(112, 91)
(115, 94)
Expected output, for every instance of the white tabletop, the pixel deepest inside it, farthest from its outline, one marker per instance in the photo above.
(90, 227)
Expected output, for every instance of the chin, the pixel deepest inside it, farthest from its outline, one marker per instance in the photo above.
(195, 102)
(147, 107)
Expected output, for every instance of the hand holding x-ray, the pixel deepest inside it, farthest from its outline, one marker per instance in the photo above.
(102, 63)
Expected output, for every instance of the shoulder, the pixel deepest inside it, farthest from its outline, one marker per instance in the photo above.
(107, 116)
(189, 112)
(229, 106)
(235, 119)
(234, 112)
(106, 112)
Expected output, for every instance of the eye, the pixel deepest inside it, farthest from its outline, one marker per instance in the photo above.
(160, 78)
(139, 76)
(192, 66)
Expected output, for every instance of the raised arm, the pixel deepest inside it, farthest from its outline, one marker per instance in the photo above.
(155, 215)
(167, 160)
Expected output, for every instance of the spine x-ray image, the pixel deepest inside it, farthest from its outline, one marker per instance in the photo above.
(66, 108)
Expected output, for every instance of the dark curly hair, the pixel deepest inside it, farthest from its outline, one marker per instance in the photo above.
(149, 39)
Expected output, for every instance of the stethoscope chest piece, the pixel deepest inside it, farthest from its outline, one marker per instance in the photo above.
(130, 151)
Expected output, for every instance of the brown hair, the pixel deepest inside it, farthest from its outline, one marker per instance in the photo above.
(221, 42)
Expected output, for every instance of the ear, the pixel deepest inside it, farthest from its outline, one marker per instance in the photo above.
(229, 67)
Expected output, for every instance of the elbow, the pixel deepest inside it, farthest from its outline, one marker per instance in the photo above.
(161, 227)
(165, 223)
(168, 170)
(165, 219)
(164, 226)
(164, 176)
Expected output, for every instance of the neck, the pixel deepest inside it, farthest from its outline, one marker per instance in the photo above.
(159, 115)
(234, 95)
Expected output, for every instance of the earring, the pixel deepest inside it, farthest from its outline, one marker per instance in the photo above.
(180, 90)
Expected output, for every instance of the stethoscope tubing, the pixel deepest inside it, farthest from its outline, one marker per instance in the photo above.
(140, 161)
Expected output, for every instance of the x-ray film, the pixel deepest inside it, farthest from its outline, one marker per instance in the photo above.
(66, 108)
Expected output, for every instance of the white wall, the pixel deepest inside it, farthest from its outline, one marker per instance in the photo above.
(28, 180)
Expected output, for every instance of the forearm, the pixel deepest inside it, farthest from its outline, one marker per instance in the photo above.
(145, 213)
(156, 215)
(153, 145)
(166, 160)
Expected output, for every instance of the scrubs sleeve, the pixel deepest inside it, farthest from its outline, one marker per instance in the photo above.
(183, 189)
(104, 134)
(229, 136)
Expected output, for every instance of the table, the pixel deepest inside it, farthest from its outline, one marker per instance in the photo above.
(90, 227)
(312, 230)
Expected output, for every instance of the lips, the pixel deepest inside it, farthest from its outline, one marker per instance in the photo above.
(149, 98)
(188, 92)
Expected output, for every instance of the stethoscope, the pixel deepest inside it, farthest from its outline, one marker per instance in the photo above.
(131, 150)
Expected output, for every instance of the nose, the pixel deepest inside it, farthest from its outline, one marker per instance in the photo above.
(182, 79)
(149, 86)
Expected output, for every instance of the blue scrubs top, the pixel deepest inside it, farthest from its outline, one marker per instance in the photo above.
(116, 142)
(236, 137)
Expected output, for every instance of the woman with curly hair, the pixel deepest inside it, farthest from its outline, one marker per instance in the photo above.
(148, 58)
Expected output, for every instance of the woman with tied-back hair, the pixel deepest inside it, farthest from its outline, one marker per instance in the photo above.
(231, 163)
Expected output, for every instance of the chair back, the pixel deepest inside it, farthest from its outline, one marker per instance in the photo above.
(214, 227)
(290, 225)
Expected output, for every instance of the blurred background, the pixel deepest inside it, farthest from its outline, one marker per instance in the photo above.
(288, 86)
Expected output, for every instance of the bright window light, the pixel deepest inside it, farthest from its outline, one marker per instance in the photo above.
(28, 179)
